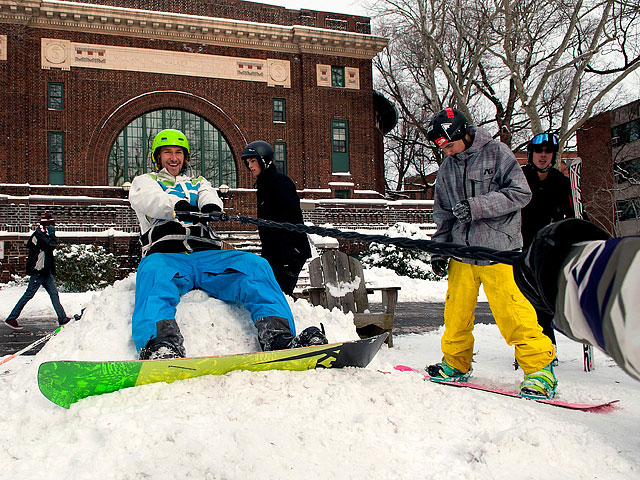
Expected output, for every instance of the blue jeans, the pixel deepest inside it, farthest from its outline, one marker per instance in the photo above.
(229, 275)
(49, 284)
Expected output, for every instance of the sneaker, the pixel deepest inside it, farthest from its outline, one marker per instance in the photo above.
(64, 322)
(13, 324)
(155, 350)
(309, 337)
(443, 372)
(540, 384)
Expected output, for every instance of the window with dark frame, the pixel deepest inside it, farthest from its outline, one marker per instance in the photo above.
(56, 157)
(339, 146)
(280, 156)
(55, 96)
(337, 76)
(279, 110)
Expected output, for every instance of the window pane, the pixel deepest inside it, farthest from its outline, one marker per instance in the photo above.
(55, 96)
(337, 76)
(278, 110)
(211, 155)
(280, 156)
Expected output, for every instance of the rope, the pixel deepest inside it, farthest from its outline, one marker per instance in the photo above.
(444, 249)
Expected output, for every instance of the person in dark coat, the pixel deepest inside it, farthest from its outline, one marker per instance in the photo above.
(41, 267)
(278, 200)
(551, 200)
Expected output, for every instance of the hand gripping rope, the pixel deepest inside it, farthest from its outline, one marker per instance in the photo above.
(439, 248)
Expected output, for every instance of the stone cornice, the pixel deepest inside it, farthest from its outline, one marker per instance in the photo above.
(89, 18)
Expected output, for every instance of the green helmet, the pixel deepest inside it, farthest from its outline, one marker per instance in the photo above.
(170, 138)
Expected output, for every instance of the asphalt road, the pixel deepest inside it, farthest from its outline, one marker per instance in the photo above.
(411, 317)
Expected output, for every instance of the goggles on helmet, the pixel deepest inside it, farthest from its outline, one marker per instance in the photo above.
(541, 138)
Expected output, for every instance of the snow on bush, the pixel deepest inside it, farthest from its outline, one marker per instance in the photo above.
(408, 263)
(80, 268)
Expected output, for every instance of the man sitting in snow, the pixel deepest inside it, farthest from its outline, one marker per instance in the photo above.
(182, 253)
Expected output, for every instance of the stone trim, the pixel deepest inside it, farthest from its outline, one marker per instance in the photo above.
(100, 19)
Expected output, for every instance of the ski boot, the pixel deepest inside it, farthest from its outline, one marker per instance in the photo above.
(540, 384)
(443, 372)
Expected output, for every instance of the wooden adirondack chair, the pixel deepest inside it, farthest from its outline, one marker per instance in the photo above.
(337, 280)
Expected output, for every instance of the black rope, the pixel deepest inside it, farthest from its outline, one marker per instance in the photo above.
(438, 248)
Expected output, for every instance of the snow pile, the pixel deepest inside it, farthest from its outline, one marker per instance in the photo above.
(335, 424)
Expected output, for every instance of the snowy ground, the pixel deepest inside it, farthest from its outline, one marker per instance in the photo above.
(337, 424)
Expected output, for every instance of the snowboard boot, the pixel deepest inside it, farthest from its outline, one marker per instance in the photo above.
(309, 337)
(443, 372)
(167, 344)
(540, 384)
(273, 333)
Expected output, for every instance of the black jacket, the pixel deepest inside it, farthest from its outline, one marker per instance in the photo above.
(551, 202)
(40, 258)
(278, 201)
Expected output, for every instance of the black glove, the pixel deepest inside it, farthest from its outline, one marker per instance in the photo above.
(439, 267)
(462, 211)
(536, 272)
(182, 209)
(210, 208)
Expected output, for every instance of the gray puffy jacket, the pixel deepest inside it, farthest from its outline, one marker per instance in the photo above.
(488, 175)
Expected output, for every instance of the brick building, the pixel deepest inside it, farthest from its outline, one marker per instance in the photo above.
(609, 145)
(85, 86)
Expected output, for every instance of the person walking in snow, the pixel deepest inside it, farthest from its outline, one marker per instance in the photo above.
(479, 192)
(278, 200)
(41, 267)
(181, 252)
(551, 199)
(587, 282)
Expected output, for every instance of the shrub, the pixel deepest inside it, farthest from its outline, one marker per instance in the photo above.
(407, 263)
(80, 268)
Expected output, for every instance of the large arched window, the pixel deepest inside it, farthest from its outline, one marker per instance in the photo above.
(211, 156)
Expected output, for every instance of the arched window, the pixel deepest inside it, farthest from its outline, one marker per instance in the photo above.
(211, 156)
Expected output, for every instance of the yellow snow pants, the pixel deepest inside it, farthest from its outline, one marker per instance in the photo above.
(514, 315)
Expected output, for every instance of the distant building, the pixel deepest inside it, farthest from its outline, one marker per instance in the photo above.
(85, 87)
(609, 145)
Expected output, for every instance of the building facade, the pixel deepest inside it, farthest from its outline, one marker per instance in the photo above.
(609, 145)
(87, 85)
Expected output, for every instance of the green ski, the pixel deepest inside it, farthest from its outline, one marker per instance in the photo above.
(65, 382)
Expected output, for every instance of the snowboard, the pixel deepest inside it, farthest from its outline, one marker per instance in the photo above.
(586, 407)
(65, 382)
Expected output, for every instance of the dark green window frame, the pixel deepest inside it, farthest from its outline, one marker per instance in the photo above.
(55, 147)
(337, 76)
(55, 96)
(339, 146)
(628, 209)
(280, 156)
(279, 107)
(342, 194)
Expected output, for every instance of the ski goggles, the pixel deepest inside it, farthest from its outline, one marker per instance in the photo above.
(541, 138)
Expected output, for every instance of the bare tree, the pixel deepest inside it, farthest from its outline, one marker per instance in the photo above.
(524, 66)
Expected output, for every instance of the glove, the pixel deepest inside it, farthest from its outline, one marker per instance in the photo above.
(462, 211)
(439, 267)
(536, 271)
(210, 208)
(182, 209)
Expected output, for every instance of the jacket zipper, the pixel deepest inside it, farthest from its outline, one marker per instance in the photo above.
(464, 185)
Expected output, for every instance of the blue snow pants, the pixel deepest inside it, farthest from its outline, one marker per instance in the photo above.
(229, 275)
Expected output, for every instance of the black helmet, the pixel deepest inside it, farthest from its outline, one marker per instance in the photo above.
(260, 150)
(548, 140)
(447, 126)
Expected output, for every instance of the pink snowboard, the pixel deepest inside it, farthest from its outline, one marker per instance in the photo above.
(586, 407)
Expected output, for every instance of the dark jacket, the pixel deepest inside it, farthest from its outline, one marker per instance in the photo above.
(40, 258)
(278, 201)
(551, 201)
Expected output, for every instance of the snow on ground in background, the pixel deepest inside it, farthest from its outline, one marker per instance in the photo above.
(412, 290)
(335, 424)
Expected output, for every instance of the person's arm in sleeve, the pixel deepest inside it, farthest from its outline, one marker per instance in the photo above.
(147, 198)
(589, 282)
(513, 192)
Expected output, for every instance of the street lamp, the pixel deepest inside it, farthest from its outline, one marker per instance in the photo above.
(126, 186)
(223, 190)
